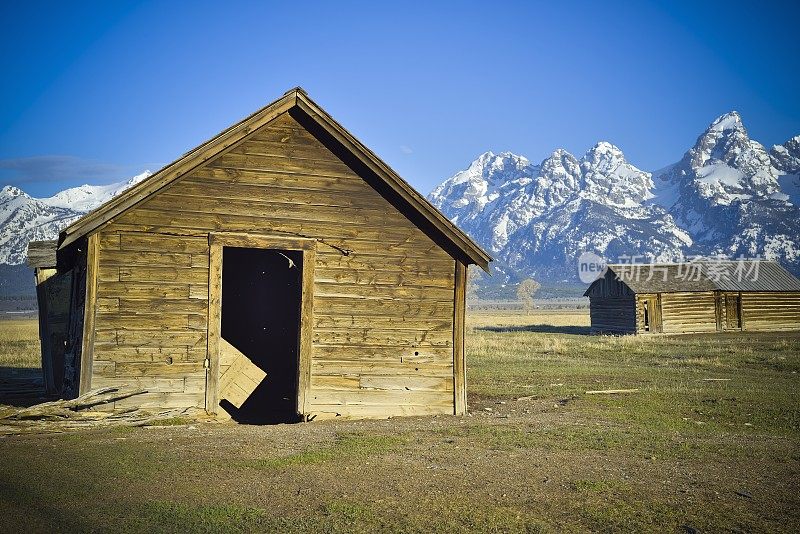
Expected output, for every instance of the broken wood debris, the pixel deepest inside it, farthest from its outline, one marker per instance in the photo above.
(72, 414)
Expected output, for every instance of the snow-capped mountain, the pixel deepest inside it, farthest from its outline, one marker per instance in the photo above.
(24, 218)
(727, 192)
(727, 195)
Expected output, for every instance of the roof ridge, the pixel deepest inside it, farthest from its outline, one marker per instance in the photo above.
(464, 247)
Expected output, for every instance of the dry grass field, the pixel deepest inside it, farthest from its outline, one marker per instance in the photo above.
(710, 442)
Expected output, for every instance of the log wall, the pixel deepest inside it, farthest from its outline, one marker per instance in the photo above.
(688, 312)
(383, 309)
(770, 311)
(53, 293)
(613, 314)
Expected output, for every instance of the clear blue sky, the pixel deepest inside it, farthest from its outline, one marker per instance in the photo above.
(98, 91)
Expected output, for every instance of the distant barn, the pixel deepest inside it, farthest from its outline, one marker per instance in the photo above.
(699, 296)
(278, 272)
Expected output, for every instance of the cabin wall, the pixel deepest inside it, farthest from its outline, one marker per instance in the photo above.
(53, 294)
(612, 314)
(75, 331)
(770, 311)
(688, 312)
(383, 308)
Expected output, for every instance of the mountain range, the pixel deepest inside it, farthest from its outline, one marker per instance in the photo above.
(728, 195)
(24, 218)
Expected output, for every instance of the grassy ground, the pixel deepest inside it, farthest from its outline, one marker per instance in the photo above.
(19, 343)
(536, 453)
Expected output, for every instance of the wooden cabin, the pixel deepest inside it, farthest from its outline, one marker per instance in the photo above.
(278, 272)
(699, 296)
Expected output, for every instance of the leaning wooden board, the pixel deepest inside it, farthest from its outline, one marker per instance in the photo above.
(239, 377)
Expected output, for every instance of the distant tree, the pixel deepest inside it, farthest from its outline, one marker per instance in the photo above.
(526, 290)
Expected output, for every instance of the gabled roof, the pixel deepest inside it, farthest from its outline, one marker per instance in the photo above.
(294, 99)
(705, 275)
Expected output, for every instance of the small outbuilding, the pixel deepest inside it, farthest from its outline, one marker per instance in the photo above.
(697, 296)
(278, 272)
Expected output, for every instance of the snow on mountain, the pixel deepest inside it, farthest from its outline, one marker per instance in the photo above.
(786, 158)
(727, 195)
(87, 197)
(734, 196)
(24, 218)
(539, 218)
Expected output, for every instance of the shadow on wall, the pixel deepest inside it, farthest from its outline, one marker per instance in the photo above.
(539, 329)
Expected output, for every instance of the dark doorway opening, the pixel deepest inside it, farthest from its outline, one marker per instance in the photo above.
(261, 300)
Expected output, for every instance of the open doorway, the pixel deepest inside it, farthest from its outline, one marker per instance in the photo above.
(260, 331)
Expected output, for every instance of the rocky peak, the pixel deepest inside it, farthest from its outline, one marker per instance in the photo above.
(786, 157)
(725, 164)
(10, 191)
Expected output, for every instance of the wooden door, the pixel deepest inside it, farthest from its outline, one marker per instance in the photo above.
(733, 308)
(650, 314)
(259, 356)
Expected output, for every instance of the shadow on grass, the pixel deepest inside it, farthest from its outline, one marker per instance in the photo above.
(539, 329)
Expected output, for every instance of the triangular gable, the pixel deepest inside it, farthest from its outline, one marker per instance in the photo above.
(428, 217)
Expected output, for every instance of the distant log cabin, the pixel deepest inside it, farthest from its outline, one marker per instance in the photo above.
(278, 272)
(699, 296)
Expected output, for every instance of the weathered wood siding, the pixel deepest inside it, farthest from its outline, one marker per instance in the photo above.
(770, 311)
(383, 315)
(613, 314)
(53, 293)
(688, 312)
(75, 331)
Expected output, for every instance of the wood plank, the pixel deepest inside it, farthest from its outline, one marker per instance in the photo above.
(376, 397)
(89, 309)
(249, 240)
(368, 337)
(152, 321)
(156, 338)
(154, 242)
(143, 290)
(306, 330)
(138, 273)
(407, 383)
(241, 376)
(157, 369)
(214, 326)
(125, 258)
(384, 354)
(159, 305)
(149, 383)
(459, 364)
(321, 412)
(357, 368)
(115, 353)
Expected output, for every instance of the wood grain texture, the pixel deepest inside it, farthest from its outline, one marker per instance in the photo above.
(89, 310)
(214, 327)
(770, 311)
(459, 364)
(688, 312)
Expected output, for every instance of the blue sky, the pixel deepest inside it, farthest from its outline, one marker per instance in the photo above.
(99, 91)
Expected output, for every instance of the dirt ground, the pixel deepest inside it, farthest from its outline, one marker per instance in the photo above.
(535, 453)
